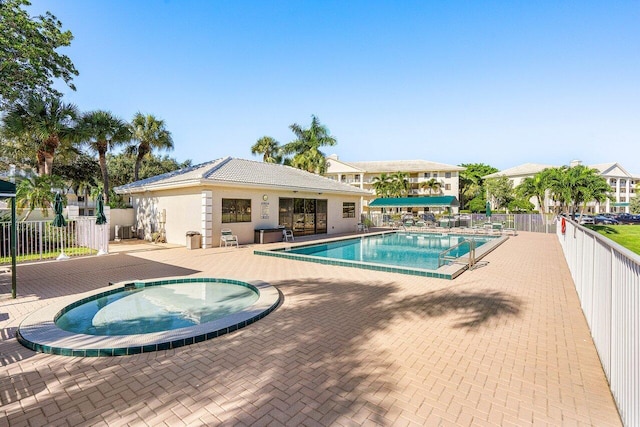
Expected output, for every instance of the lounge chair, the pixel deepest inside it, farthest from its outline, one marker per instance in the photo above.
(228, 238)
(361, 226)
(287, 234)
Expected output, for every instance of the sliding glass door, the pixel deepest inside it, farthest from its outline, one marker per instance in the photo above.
(303, 216)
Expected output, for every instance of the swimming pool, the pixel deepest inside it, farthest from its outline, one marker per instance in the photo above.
(144, 316)
(400, 252)
(146, 309)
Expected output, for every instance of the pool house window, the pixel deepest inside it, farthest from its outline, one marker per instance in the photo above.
(236, 210)
(348, 210)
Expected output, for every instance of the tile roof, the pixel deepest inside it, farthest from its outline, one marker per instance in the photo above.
(403, 166)
(525, 169)
(242, 172)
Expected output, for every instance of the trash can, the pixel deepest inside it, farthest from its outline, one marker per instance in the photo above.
(194, 239)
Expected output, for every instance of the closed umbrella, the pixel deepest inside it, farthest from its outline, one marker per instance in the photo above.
(100, 217)
(101, 220)
(59, 222)
(488, 211)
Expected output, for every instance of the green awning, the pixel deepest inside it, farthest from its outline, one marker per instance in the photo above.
(620, 204)
(401, 202)
(7, 189)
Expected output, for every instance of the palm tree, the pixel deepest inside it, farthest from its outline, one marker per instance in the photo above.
(306, 148)
(400, 184)
(535, 186)
(151, 134)
(34, 192)
(431, 185)
(269, 148)
(102, 131)
(48, 122)
(576, 186)
(382, 185)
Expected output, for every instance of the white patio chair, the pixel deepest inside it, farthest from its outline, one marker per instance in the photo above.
(228, 238)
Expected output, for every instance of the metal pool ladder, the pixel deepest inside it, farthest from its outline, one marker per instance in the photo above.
(443, 257)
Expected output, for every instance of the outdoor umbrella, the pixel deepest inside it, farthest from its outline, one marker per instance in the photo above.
(59, 222)
(101, 219)
(488, 211)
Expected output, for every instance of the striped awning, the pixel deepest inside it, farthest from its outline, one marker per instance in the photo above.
(400, 202)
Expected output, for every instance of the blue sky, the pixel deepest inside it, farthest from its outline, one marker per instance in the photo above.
(502, 83)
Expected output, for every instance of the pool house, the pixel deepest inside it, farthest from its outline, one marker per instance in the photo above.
(244, 196)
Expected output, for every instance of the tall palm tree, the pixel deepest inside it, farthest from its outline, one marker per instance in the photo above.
(269, 148)
(306, 147)
(151, 133)
(382, 185)
(400, 184)
(101, 131)
(431, 185)
(48, 122)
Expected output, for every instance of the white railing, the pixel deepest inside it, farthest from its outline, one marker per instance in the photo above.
(607, 280)
(40, 240)
(520, 222)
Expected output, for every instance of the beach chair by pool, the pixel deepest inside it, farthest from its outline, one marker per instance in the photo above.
(228, 238)
(362, 227)
(287, 234)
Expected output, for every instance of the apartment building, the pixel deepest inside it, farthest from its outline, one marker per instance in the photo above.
(362, 174)
(621, 181)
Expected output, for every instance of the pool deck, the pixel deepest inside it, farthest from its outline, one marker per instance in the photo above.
(503, 344)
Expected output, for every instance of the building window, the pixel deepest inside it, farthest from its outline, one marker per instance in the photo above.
(80, 198)
(348, 210)
(435, 174)
(447, 186)
(357, 177)
(447, 174)
(236, 210)
(427, 174)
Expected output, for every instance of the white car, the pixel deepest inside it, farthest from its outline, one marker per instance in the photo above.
(586, 219)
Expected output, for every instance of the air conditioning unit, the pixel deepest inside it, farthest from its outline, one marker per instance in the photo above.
(126, 232)
(123, 232)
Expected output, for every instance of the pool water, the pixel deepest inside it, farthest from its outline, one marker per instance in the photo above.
(157, 308)
(413, 250)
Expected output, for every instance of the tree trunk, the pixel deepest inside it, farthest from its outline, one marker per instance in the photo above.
(48, 163)
(102, 157)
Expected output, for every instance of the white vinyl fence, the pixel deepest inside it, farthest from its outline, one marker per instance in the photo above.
(607, 280)
(40, 240)
(522, 222)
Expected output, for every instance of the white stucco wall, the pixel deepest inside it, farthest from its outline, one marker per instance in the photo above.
(184, 212)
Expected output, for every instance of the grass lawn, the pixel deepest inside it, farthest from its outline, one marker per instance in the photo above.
(625, 235)
(49, 255)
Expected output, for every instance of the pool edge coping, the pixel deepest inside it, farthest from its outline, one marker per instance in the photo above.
(448, 271)
(38, 330)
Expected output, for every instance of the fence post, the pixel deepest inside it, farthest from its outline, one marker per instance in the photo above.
(40, 240)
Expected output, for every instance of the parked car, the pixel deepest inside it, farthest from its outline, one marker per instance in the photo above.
(626, 218)
(586, 219)
(603, 219)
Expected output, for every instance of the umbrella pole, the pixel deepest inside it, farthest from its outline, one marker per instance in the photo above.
(62, 255)
(101, 245)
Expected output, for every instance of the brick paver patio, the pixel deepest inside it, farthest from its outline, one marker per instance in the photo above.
(504, 344)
